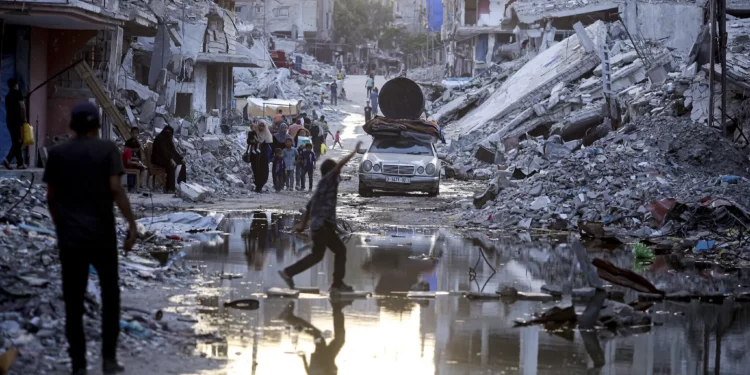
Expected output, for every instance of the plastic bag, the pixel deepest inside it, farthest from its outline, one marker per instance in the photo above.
(323, 149)
(28, 135)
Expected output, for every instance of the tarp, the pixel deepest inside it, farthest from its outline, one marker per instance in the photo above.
(270, 107)
(7, 70)
(182, 222)
(434, 14)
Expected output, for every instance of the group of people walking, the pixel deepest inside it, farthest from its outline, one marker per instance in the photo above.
(291, 151)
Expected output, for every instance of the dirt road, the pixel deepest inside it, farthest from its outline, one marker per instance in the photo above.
(413, 209)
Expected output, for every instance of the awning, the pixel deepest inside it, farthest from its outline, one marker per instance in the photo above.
(227, 59)
(74, 15)
(258, 107)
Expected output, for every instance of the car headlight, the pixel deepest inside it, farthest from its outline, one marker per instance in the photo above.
(367, 165)
(376, 167)
(430, 169)
(420, 170)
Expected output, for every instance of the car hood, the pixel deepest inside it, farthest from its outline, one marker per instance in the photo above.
(398, 158)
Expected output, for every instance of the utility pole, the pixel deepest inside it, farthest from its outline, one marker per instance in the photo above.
(718, 54)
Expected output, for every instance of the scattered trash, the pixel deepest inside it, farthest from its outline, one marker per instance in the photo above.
(243, 304)
(135, 329)
(704, 245)
(623, 277)
(282, 293)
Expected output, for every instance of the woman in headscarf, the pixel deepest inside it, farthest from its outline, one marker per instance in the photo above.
(259, 160)
(165, 155)
(280, 137)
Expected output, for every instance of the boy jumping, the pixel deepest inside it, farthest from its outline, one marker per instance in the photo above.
(321, 214)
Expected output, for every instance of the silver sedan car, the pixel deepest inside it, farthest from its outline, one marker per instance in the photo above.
(399, 164)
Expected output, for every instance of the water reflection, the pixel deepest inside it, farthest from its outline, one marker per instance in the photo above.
(448, 335)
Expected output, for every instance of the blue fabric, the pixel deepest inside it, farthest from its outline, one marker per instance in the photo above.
(482, 46)
(374, 101)
(7, 70)
(434, 14)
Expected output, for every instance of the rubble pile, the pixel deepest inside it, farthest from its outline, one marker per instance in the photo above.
(426, 74)
(33, 316)
(214, 162)
(549, 183)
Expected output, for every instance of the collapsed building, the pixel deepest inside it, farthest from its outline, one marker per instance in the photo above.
(556, 114)
(479, 33)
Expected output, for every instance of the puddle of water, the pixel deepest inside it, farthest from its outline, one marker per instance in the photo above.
(450, 334)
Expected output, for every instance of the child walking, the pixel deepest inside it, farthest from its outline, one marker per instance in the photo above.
(308, 165)
(278, 170)
(290, 159)
(337, 140)
(321, 215)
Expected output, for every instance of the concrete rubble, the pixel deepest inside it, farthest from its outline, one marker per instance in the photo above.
(562, 157)
(32, 317)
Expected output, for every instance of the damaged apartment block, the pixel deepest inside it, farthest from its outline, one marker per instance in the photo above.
(183, 76)
(45, 45)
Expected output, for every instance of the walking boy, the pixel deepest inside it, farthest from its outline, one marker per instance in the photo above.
(308, 165)
(290, 155)
(278, 170)
(321, 214)
(337, 140)
(83, 183)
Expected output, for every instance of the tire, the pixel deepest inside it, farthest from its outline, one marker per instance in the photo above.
(364, 191)
(434, 192)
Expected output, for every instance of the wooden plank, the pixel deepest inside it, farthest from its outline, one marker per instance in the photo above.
(102, 99)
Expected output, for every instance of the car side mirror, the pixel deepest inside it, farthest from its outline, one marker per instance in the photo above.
(361, 152)
(442, 156)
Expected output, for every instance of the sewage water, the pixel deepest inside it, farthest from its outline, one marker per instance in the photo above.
(390, 334)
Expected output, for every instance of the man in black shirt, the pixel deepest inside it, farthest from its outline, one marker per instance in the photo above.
(83, 182)
(15, 117)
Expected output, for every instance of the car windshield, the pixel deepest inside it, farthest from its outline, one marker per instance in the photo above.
(400, 146)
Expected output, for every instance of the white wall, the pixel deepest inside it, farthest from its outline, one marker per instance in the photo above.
(677, 25)
(496, 15)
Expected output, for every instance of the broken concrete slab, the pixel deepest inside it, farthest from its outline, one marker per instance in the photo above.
(147, 111)
(193, 192)
(563, 62)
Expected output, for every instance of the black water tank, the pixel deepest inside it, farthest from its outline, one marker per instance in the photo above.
(401, 99)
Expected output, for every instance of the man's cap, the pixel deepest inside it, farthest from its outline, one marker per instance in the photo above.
(85, 109)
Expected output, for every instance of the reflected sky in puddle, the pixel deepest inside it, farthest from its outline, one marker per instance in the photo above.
(447, 335)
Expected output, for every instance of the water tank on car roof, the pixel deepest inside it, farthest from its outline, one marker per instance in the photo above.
(401, 99)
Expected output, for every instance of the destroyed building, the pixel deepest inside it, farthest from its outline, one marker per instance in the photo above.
(478, 33)
(43, 39)
(186, 70)
(309, 20)
(556, 102)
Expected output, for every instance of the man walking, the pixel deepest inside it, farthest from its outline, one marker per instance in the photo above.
(370, 83)
(374, 100)
(321, 214)
(334, 93)
(15, 117)
(83, 182)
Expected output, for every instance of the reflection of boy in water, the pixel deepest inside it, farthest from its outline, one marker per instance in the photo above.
(323, 360)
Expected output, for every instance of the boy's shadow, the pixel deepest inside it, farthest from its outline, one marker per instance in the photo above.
(323, 360)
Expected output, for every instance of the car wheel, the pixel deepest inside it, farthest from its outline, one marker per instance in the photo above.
(434, 192)
(364, 191)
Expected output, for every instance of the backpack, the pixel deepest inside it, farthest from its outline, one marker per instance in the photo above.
(316, 131)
